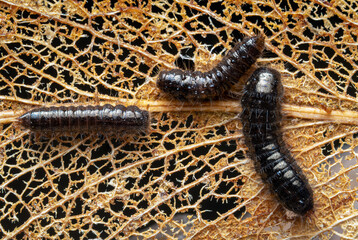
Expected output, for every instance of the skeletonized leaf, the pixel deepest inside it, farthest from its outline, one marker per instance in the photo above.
(190, 176)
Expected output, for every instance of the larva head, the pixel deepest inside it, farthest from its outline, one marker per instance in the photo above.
(139, 119)
(265, 81)
(169, 79)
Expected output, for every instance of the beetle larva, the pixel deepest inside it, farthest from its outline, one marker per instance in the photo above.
(103, 119)
(195, 85)
(261, 103)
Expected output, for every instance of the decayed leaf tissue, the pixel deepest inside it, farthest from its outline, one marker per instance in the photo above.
(189, 176)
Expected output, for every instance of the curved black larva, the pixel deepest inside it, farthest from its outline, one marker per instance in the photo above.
(102, 119)
(206, 85)
(261, 119)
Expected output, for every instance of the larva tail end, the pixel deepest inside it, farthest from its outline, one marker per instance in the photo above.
(307, 208)
(23, 120)
(259, 41)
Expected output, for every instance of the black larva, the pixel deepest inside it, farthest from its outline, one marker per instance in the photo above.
(194, 85)
(261, 116)
(102, 119)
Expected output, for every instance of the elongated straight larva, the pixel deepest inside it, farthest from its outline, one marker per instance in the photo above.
(195, 85)
(101, 119)
(261, 115)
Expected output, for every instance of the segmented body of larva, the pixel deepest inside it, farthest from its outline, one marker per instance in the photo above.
(196, 85)
(261, 117)
(101, 119)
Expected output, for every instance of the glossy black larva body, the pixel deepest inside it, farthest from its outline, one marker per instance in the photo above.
(100, 119)
(261, 117)
(196, 85)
